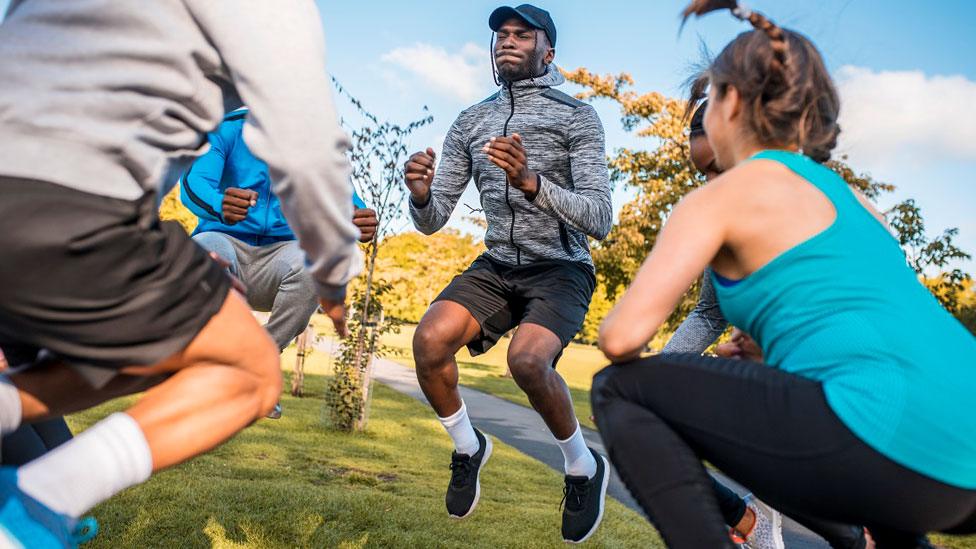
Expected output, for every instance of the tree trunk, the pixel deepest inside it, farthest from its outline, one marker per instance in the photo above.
(303, 347)
(368, 374)
(364, 354)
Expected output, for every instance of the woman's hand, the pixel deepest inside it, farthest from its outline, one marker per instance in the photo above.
(742, 347)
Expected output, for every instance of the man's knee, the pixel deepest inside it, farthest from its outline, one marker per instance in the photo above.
(433, 343)
(295, 277)
(530, 370)
(212, 242)
(218, 243)
(291, 256)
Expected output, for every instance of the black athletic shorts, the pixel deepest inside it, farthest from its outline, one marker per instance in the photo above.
(98, 281)
(553, 294)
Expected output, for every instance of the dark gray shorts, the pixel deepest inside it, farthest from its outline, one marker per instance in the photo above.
(98, 281)
(553, 294)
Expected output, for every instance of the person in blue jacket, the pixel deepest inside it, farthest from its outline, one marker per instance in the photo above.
(241, 221)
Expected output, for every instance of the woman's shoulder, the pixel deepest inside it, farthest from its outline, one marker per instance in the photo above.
(749, 180)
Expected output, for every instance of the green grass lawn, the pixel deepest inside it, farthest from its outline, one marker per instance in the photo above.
(294, 483)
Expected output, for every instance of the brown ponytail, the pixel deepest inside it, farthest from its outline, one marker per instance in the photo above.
(781, 77)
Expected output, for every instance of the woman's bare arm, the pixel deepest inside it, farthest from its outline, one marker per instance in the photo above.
(689, 240)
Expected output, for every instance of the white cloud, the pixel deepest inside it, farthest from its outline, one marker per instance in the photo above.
(898, 117)
(464, 75)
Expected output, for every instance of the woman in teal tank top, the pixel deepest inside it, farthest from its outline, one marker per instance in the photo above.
(862, 412)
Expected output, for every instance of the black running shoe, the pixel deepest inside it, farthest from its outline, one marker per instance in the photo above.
(465, 487)
(584, 499)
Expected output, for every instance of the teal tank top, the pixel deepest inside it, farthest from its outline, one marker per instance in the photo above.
(844, 309)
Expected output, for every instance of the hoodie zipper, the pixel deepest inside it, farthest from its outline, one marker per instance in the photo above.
(511, 230)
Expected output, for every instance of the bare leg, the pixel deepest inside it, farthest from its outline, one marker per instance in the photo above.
(225, 379)
(445, 328)
(530, 358)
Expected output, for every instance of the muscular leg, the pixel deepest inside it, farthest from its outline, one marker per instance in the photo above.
(225, 379)
(530, 358)
(444, 329)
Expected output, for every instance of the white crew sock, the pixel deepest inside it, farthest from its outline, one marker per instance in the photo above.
(90, 468)
(577, 458)
(462, 433)
(10, 407)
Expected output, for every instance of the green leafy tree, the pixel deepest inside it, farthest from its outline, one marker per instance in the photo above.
(418, 267)
(931, 258)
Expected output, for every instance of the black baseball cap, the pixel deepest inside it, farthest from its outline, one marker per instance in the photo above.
(535, 17)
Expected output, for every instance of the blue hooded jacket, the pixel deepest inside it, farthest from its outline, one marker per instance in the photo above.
(229, 163)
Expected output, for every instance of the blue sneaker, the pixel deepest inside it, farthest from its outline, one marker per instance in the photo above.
(26, 522)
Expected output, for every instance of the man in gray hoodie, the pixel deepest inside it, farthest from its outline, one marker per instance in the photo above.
(98, 109)
(538, 159)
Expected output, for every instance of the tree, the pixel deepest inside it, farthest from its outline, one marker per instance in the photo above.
(967, 305)
(418, 267)
(172, 209)
(662, 175)
(931, 257)
(378, 152)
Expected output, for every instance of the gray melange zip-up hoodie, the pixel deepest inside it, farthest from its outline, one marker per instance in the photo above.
(564, 144)
(116, 99)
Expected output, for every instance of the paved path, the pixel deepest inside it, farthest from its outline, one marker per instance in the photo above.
(522, 428)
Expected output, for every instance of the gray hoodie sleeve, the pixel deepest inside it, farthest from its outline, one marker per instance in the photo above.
(588, 207)
(702, 326)
(292, 124)
(450, 179)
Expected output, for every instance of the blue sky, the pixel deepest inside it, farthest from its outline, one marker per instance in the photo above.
(906, 72)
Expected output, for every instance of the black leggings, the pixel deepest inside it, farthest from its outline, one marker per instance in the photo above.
(31, 441)
(769, 430)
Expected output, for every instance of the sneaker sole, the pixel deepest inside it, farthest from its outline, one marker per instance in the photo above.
(477, 486)
(778, 530)
(603, 502)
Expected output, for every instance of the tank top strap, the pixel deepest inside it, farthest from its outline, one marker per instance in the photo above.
(823, 178)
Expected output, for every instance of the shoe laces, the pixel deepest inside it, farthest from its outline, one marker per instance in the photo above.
(85, 530)
(574, 495)
(460, 470)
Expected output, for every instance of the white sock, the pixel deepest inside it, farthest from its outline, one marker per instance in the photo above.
(462, 433)
(90, 468)
(577, 458)
(10, 407)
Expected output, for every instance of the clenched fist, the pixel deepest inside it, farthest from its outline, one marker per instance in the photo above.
(236, 203)
(508, 154)
(418, 174)
(365, 219)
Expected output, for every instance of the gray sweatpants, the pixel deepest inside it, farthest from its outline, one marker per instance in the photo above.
(276, 281)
